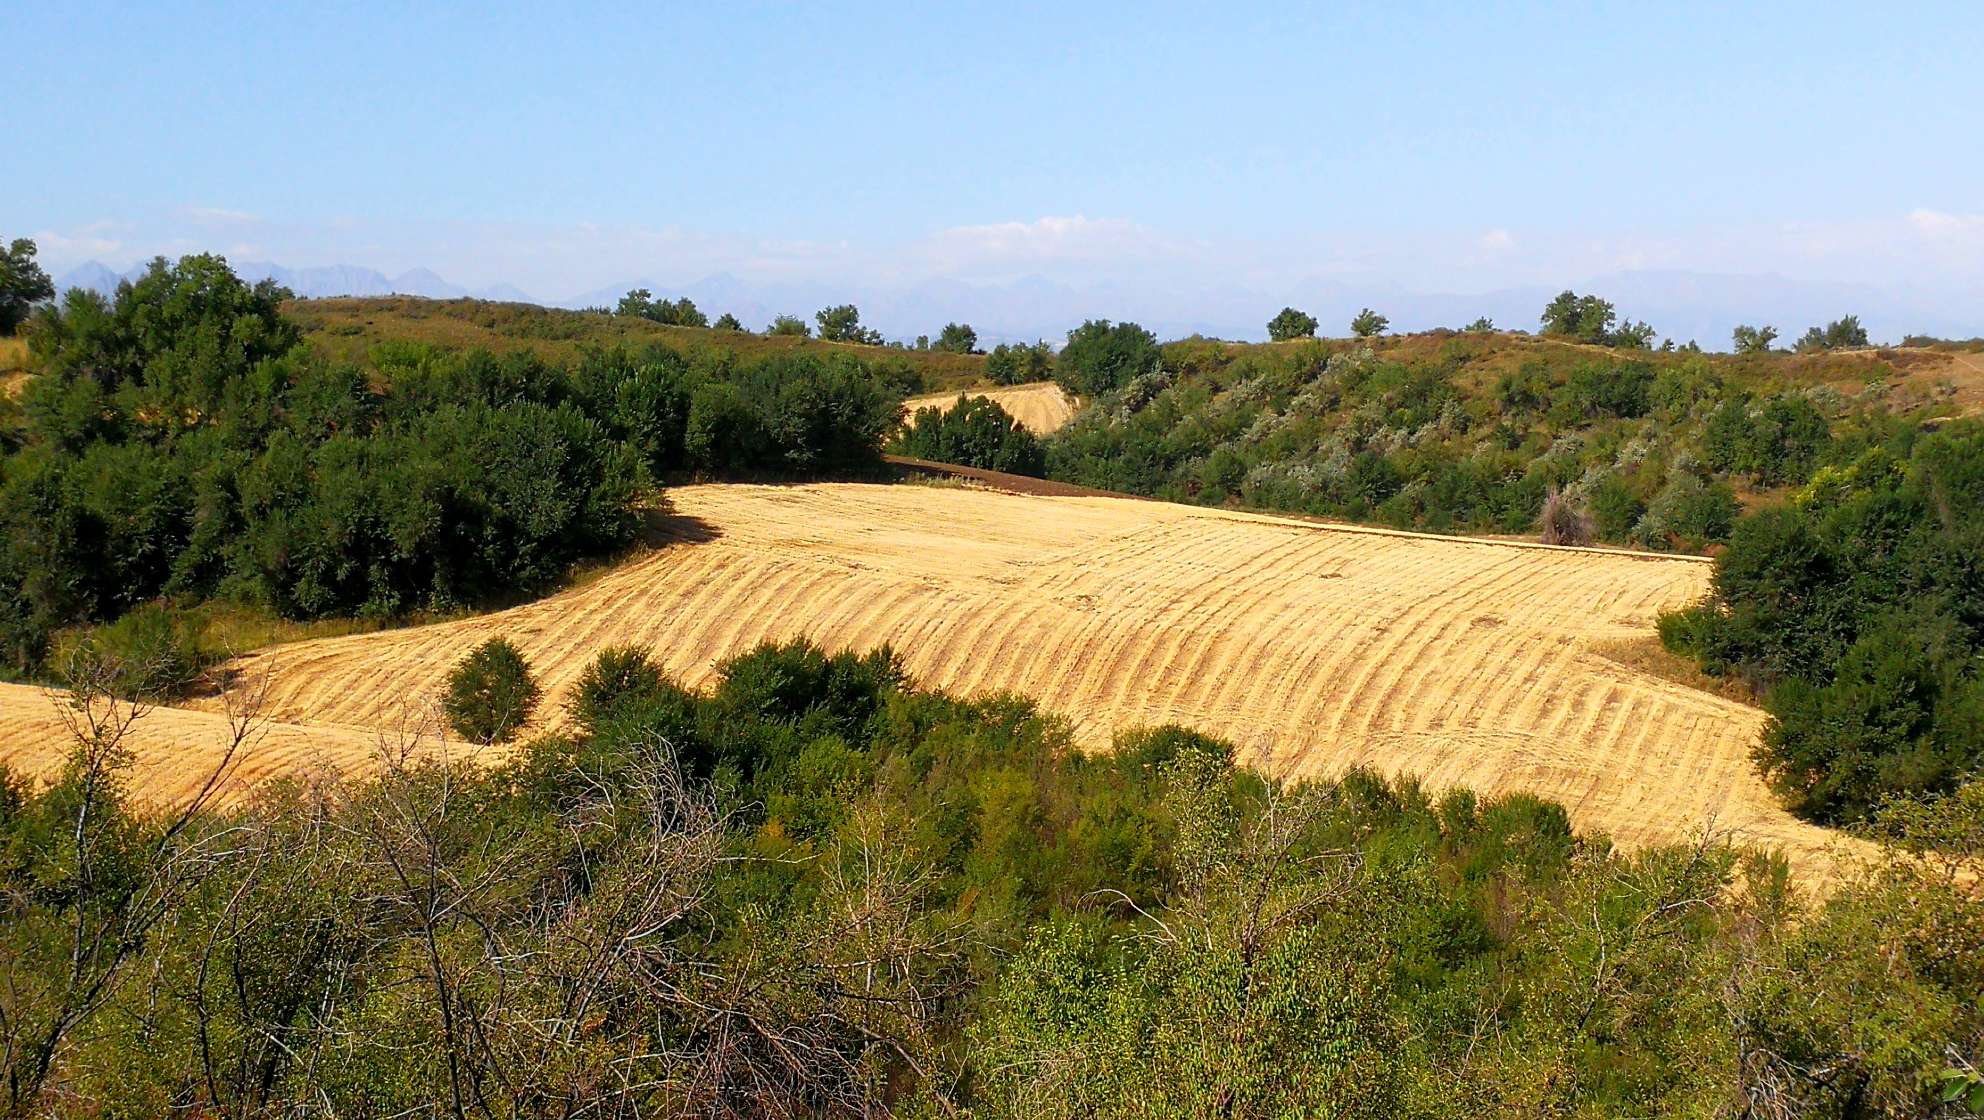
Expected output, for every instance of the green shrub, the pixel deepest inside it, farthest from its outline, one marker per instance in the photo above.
(152, 652)
(490, 693)
(974, 432)
(1101, 356)
(616, 677)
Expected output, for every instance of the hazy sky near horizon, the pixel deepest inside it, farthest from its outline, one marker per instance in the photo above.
(1449, 147)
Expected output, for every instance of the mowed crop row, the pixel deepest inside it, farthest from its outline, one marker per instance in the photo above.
(174, 751)
(1314, 647)
(1039, 406)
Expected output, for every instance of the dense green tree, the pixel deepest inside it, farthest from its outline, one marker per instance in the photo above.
(682, 312)
(789, 325)
(957, 338)
(1753, 340)
(1010, 363)
(1586, 318)
(842, 323)
(973, 432)
(1855, 610)
(1101, 356)
(23, 285)
(1368, 323)
(616, 677)
(1289, 323)
(1481, 325)
(491, 693)
(728, 322)
(1839, 334)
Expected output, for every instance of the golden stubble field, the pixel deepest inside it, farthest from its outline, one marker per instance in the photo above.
(1039, 406)
(1313, 647)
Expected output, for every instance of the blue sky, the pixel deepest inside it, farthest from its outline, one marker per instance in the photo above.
(1444, 147)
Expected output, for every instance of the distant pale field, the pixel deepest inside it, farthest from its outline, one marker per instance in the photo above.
(1314, 647)
(1039, 406)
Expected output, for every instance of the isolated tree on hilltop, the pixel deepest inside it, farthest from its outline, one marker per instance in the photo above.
(1291, 324)
(1590, 319)
(842, 323)
(22, 285)
(640, 303)
(1369, 323)
(728, 322)
(790, 325)
(1481, 325)
(1101, 356)
(1838, 334)
(1586, 318)
(957, 338)
(1747, 339)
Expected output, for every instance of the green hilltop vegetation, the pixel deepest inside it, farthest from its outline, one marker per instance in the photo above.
(1472, 431)
(350, 329)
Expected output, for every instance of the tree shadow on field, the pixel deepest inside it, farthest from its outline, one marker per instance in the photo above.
(661, 526)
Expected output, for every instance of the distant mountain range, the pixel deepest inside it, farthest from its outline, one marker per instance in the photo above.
(1681, 305)
(312, 283)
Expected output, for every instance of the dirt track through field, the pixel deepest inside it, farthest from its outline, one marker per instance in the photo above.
(1039, 406)
(1313, 647)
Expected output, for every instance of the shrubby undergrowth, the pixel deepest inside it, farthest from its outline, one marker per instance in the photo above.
(819, 890)
(1650, 447)
(1858, 610)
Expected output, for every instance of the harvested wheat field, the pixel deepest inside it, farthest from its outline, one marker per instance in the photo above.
(1314, 647)
(1039, 406)
(175, 750)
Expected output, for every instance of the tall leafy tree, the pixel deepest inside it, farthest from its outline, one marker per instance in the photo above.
(957, 338)
(974, 432)
(1747, 339)
(1368, 323)
(1839, 334)
(1291, 324)
(1014, 364)
(1101, 356)
(842, 323)
(22, 284)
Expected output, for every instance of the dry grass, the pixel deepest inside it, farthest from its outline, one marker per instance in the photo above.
(349, 328)
(1315, 648)
(1039, 406)
(1646, 655)
(13, 365)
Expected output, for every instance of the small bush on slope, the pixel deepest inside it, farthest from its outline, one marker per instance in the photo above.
(490, 693)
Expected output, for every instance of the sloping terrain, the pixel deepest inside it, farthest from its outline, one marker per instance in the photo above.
(348, 329)
(1039, 406)
(1313, 647)
(175, 750)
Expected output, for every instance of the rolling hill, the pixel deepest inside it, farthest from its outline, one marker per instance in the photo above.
(1313, 647)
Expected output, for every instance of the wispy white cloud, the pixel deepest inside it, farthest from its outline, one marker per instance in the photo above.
(1497, 241)
(220, 216)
